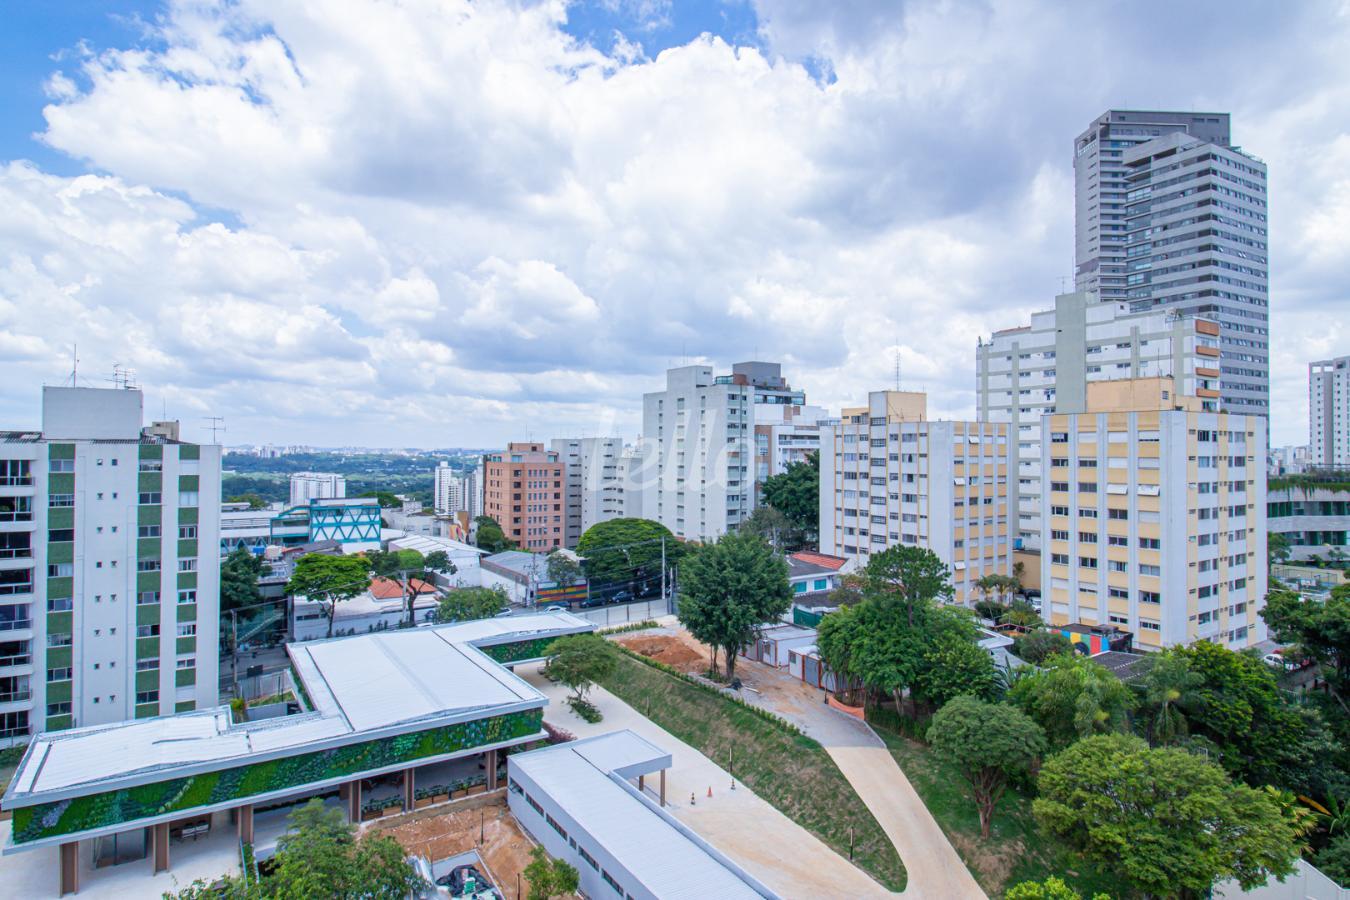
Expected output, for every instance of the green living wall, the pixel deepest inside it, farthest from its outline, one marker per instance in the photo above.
(78, 814)
(515, 652)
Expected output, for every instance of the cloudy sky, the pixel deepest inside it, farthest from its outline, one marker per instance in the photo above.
(438, 223)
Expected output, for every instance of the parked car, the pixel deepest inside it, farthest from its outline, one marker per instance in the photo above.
(555, 607)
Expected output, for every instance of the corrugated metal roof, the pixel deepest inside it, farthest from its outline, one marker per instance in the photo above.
(661, 856)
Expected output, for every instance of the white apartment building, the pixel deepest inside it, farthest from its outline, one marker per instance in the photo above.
(785, 435)
(109, 567)
(307, 486)
(594, 491)
(1155, 511)
(890, 476)
(1329, 412)
(632, 472)
(450, 491)
(1030, 371)
(700, 482)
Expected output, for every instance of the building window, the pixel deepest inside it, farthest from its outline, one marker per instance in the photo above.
(187, 596)
(147, 697)
(149, 498)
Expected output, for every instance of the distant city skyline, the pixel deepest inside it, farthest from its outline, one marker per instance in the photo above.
(328, 259)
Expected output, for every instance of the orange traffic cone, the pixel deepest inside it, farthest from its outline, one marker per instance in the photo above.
(710, 791)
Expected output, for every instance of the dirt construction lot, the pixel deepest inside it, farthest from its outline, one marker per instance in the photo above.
(670, 649)
(438, 834)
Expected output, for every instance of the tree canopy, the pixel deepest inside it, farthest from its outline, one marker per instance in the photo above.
(777, 530)
(320, 855)
(1038, 646)
(385, 498)
(1051, 889)
(562, 570)
(987, 742)
(329, 580)
(1319, 631)
(1239, 707)
(1073, 698)
(579, 661)
(489, 535)
(626, 551)
(1164, 821)
(252, 498)
(908, 576)
(468, 603)
(796, 494)
(729, 589)
(239, 574)
(549, 878)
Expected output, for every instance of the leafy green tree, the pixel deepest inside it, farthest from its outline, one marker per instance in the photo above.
(1168, 686)
(796, 494)
(489, 535)
(1319, 631)
(329, 580)
(1334, 860)
(1277, 548)
(1038, 646)
(469, 603)
(990, 609)
(776, 529)
(1051, 889)
(401, 566)
(239, 574)
(253, 499)
(1163, 821)
(320, 855)
(988, 743)
(1239, 707)
(1072, 698)
(439, 561)
(908, 576)
(580, 661)
(1023, 615)
(953, 663)
(386, 499)
(562, 570)
(731, 588)
(549, 878)
(626, 551)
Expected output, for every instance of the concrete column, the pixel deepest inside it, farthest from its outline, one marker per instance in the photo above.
(354, 801)
(243, 817)
(70, 868)
(663, 787)
(492, 770)
(409, 788)
(159, 843)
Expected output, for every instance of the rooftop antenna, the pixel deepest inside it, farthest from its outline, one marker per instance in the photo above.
(1064, 284)
(217, 424)
(74, 364)
(897, 363)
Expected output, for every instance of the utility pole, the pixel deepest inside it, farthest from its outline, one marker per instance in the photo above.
(234, 650)
(663, 571)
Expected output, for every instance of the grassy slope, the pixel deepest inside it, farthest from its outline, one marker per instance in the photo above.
(1016, 851)
(792, 772)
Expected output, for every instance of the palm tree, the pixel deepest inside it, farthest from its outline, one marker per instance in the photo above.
(1168, 686)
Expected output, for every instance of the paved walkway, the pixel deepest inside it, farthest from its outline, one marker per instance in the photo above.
(935, 869)
(784, 856)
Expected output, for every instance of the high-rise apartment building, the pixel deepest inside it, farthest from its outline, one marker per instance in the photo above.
(594, 489)
(523, 491)
(1169, 214)
(450, 491)
(1329, 412)
(785, 435)
(1027, 372)
(890, 476)
(109, 567)
(1155, 516)
(700, 480)
(307, 486)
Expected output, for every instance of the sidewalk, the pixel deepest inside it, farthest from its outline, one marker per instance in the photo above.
(784, 856)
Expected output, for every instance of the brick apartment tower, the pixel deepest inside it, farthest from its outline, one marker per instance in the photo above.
(523, 491)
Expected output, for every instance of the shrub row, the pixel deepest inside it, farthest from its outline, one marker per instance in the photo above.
(702, 685)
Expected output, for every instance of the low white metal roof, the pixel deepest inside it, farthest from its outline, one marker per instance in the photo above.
(668, 862)
(364, 683)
